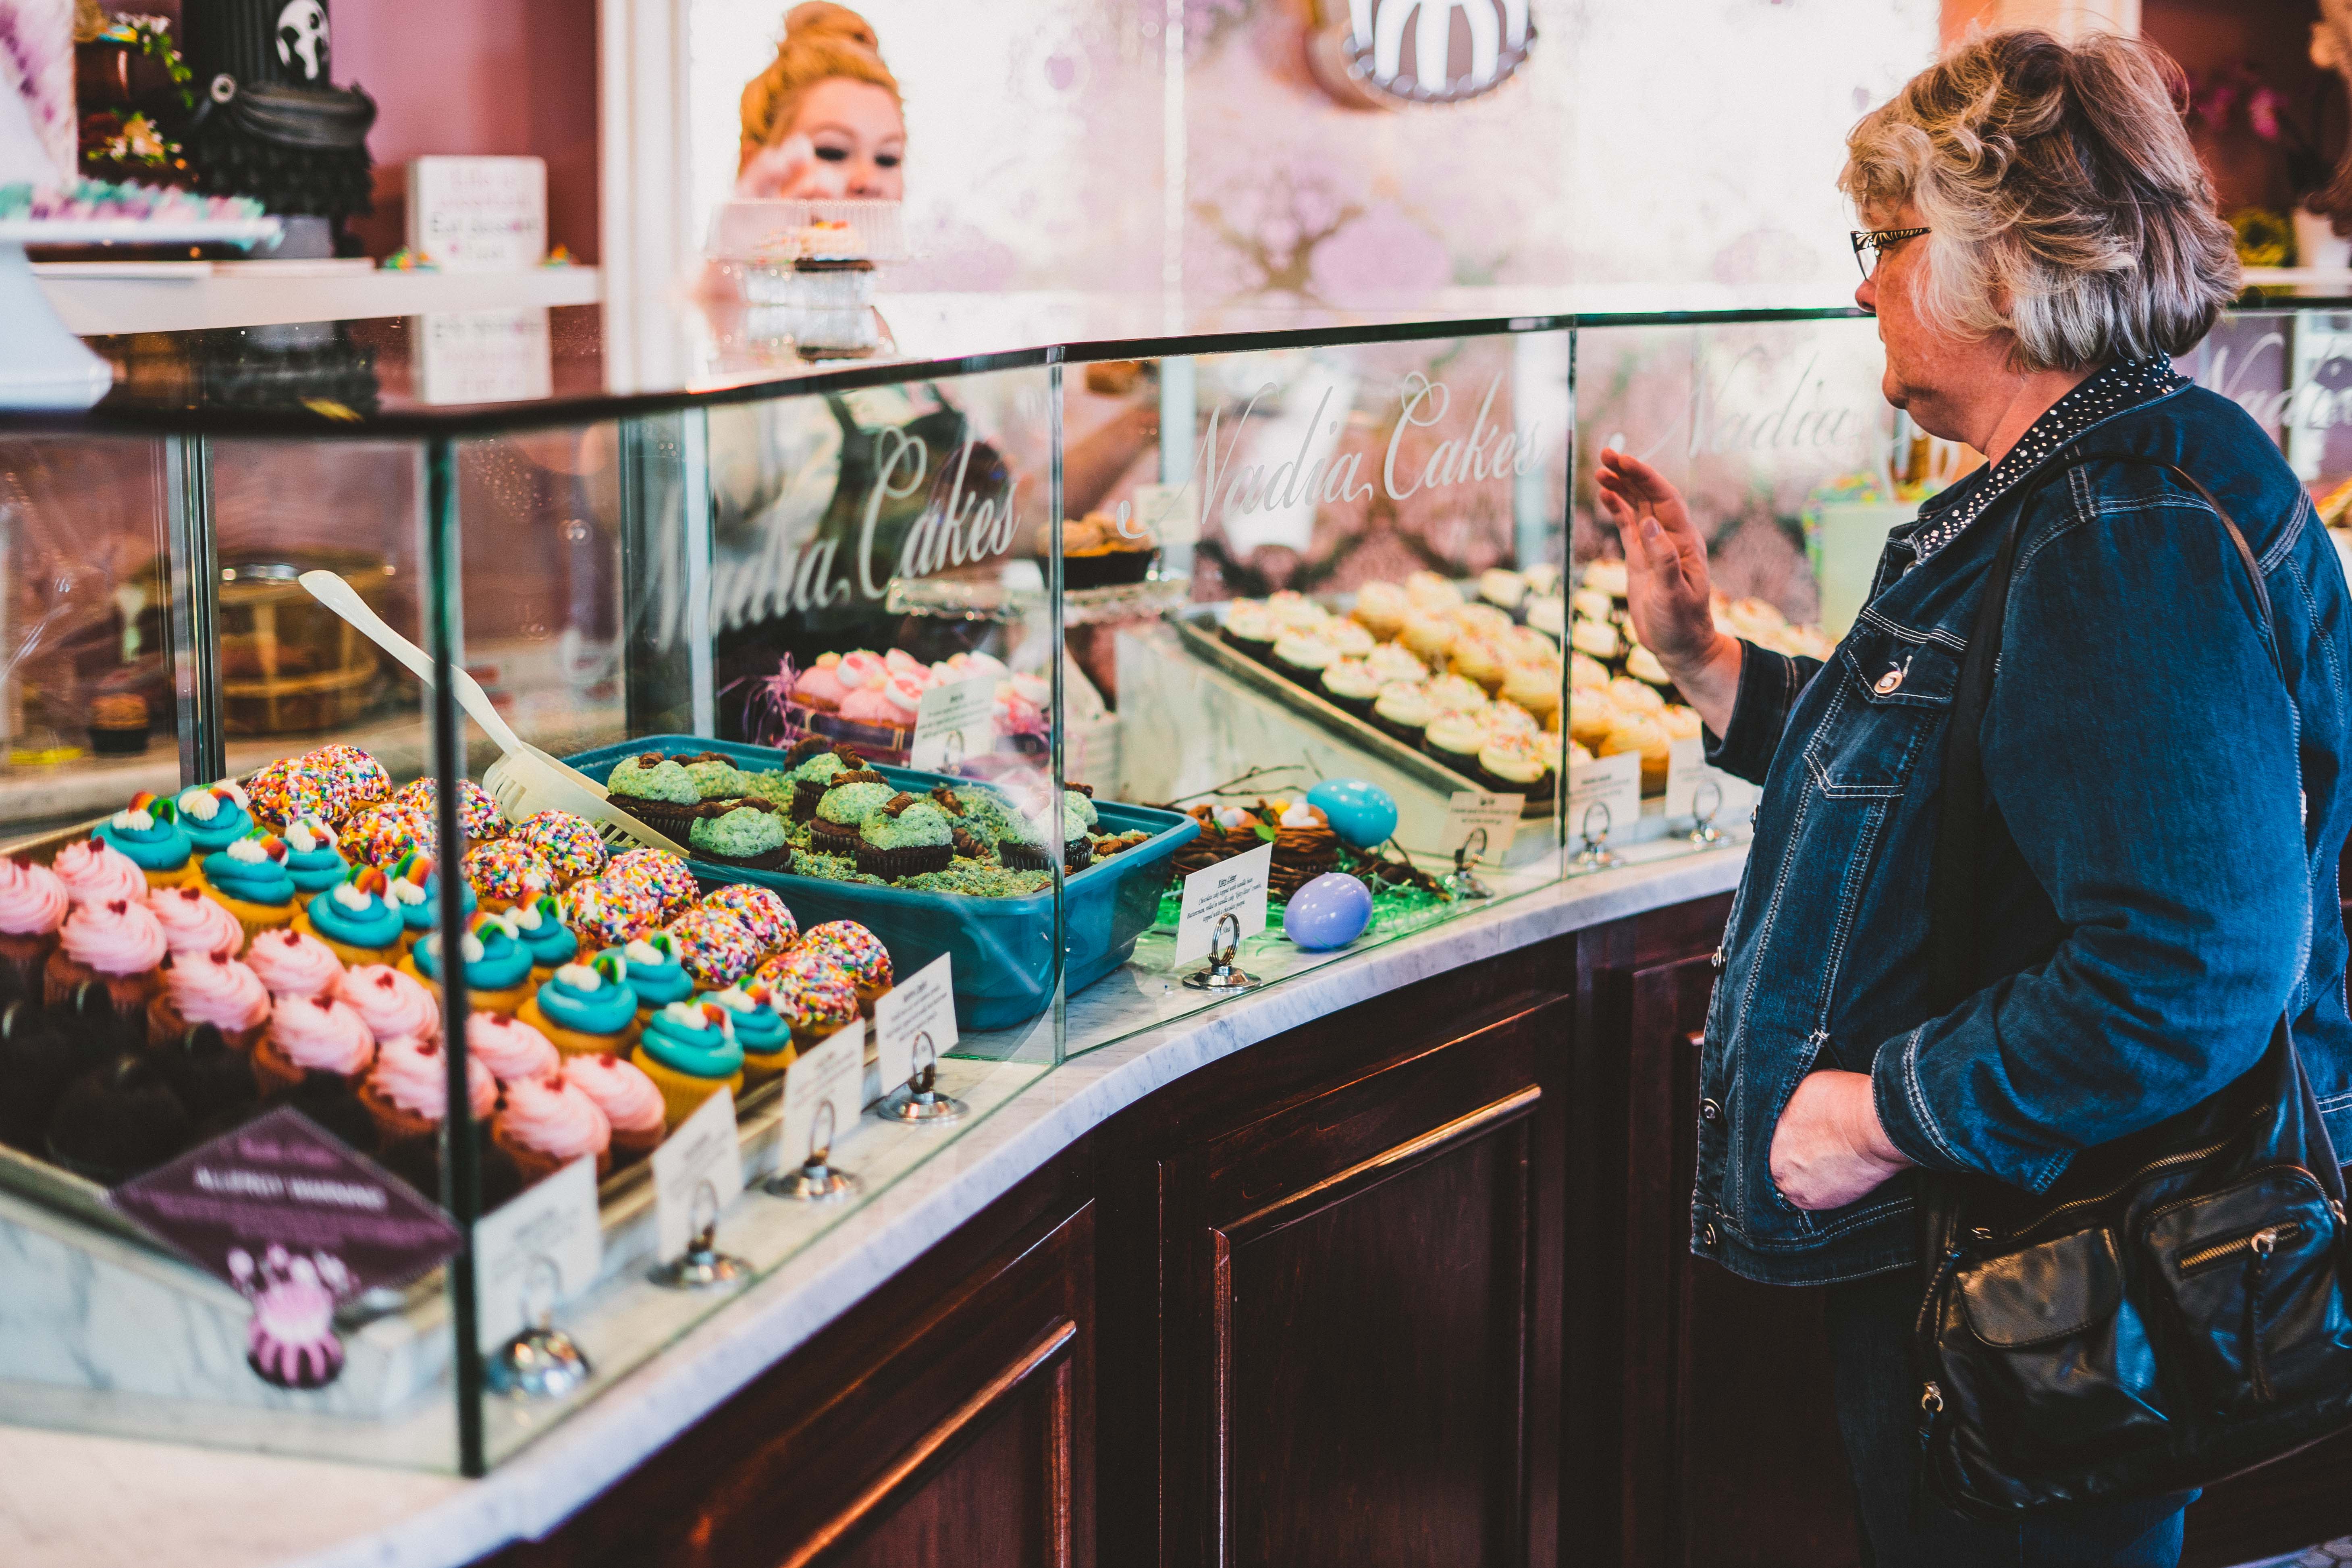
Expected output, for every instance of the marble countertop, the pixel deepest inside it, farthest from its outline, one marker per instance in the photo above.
(73, 1500)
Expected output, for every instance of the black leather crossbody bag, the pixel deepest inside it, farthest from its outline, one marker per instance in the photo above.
(2173, 1310)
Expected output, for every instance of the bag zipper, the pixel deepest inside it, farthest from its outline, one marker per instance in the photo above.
(2260, 1242)
(2187, 1157)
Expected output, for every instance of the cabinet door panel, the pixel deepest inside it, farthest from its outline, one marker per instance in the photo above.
(1351, 1331)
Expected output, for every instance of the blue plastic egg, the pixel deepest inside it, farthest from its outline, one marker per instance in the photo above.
(1330, 911)
(1362, 814)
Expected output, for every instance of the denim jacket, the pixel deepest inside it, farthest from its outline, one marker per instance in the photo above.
(2176, 818)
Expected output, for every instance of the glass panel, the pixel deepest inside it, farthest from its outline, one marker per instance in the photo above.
(1320, 567)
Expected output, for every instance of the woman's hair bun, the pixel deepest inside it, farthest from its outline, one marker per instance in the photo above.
(821, 18)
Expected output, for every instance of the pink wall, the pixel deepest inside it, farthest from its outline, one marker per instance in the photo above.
(482, 77)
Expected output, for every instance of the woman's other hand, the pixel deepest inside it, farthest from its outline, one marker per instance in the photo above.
(789, 169)
(1667, 588)
(1829, 1149)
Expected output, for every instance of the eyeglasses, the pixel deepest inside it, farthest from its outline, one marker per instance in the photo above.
(1870, 244)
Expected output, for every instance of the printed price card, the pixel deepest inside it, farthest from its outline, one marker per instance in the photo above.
(1468, 810)
(824, 1093)
(956, 721)
(704, 1148)
(1236, 888)
(1170, 511)
(544, 1247)
(1606, 792)
(922, 1004)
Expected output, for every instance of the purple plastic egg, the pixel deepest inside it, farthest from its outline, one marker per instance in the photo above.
(1330, 911)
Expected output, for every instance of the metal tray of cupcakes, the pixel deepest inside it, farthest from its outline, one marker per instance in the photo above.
(1199, 626)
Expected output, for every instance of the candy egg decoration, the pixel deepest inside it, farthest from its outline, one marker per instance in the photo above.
(1330, 911)
(1363, 815)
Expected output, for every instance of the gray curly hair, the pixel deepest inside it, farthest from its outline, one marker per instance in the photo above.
(2065, 203)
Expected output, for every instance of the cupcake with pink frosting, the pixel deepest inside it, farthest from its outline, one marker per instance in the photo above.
(95, 871)
(194, 922)
(512, 1051)
(294, 965)
(105, 966)
(312, 1039)
(33, 905)
(547, 1122)
(631, 1104)
(406, 1093)
(819, 685)
(201, 988)
(393, 1005)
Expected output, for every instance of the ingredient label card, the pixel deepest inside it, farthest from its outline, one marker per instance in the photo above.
(542, 1249)
(1604, 797)
(1694, 789)
(281, 1183)
(703, 1149)
(1468, 810)
(956, 720)
(922, 1004)
(824, 1091)
(1168, 510)
(1235, 888)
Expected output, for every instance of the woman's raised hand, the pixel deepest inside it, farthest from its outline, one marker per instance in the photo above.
(789, 168)
(1667, 590)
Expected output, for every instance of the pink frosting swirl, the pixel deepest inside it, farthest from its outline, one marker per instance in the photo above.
(217, 991)
(415, 1076)
(394, 1005)
(319, 1034)
(556, 1118)
(621, 1090)
(95, 871)
(512, 1051)
(117, 937)
(294, 964)
(193, 923)
(32, 901)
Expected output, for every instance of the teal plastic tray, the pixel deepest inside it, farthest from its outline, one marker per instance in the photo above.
(1004, 948)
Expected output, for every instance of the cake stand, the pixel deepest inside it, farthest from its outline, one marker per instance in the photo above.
(42, 365)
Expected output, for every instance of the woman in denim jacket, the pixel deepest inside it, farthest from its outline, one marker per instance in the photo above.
(2042, 240)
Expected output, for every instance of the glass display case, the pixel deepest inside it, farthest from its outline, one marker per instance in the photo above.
(1003, 694)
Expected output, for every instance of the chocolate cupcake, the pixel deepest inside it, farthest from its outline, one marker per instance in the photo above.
(1402, 710)
(656, 790)
(1453, 739)
(40, 1056)
(741, 834)
(853, 798)
(908, 836)
(1351, 685)
(212, 1078)
(812, 767)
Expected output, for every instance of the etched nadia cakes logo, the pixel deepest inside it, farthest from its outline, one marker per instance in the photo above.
(1384, 53)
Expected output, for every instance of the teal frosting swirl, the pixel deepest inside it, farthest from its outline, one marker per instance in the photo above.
(160, 847)
(230, 823)
(697, 1053)
(374, 924)
(603, 1011)
(760, 1032)
(254, 882)
(426, 916)
(658, 983)
(505, 963)
(316, 870)
(552, 943)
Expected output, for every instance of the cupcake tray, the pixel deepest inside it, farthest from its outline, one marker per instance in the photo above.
(1197, 627)
(1002, 947)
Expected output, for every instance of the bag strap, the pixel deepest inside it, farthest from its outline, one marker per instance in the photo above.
(1955, 885)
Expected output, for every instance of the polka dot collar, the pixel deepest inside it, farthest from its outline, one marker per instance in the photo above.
(2122, 386)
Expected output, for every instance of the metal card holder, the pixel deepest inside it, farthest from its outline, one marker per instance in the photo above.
(815, 1180)
(1222, 974)
(1596, 855)
(1703, 832)
(702, 1267)
(919, 1102)
(542, 1362)
(1463, 881)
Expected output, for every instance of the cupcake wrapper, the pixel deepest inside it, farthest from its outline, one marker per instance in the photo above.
(277, 1077)
(182, 876)
(1408, 734)
(1101, 568)
(1463, 763)
(535, 1166)
(777, 859)
(805, 795)
(628, 1148)
(1022, 857)
(913, 860)
(1361, 706)
(757, 1069)
(1249, 648)
(664, 816)
(831, 838)
(128, 993)
(394, 1126)
(255, 918)
(682, 1094)
(23, 960)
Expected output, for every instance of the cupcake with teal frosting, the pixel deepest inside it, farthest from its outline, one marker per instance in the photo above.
(355, 919)
(764, 1033)
(213, 817)
(690, 1052)
(751, 837)
(908, 836)
(312, 858)
(655, 973)
(656, 790)
(540, 926)
(587, 1009)
(250, 879)
(417, 891)
(149, 832)
(847, 803)
(497, 966)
